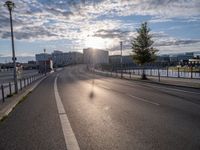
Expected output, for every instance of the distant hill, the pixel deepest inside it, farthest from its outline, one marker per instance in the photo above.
(22, 59)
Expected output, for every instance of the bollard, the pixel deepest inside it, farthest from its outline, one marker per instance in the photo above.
(2, 90)
(20, 82)
(10, 88)
(178, 73)
(167, 71)
(24, 82)
(191, 72)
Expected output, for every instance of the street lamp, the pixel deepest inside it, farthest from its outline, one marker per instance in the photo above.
(45, 65)
(121, 43)
(10, 5)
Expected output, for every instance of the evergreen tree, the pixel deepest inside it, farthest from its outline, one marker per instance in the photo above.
(142, 49)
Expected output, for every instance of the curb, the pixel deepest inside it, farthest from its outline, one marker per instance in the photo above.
(8, 109)
(161, 83)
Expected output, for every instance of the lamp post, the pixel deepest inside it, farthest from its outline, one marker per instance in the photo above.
(45, 65)
(10, 5)
(121, 43)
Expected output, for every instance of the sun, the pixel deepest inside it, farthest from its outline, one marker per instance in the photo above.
(95, 42)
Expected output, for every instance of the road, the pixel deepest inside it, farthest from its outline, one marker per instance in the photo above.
(73, 108)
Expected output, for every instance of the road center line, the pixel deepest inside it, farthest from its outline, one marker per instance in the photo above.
(142, 99)
(102, 86)
(70, 139)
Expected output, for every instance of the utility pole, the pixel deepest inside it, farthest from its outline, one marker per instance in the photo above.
(121, 62)
(45, 65)
(10, 5)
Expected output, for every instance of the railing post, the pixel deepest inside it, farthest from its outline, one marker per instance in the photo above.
(191, 72)
(24, 82)
(178, 73)
(167, 71)
(20, 82)
(2, 90)
(10, 88)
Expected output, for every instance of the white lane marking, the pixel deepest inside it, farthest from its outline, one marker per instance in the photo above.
(102, 86)
(142, 99)
(70, 139)
(172, 89)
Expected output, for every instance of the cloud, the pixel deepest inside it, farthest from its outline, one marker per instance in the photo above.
(177, 42)
(74, 12)
(78, 19)
(115, 33)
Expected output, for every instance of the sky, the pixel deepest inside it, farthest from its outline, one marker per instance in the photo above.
(71, 25)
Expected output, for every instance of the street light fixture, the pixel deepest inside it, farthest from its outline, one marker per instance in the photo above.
(45, 64)
(10, 5)
(121, 44)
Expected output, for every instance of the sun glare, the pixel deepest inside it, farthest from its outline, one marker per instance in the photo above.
(96, 42)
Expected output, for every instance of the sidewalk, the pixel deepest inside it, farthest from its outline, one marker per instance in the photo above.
(10, 103)
(184, 82)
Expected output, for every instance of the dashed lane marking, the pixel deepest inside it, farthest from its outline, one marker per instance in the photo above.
(70, 139)
(142, 99)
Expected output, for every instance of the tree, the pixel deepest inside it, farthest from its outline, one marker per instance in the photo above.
(142, 49)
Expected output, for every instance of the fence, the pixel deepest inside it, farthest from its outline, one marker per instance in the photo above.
(160, 72)
(166, 72)
(8, 89)
(6, 69)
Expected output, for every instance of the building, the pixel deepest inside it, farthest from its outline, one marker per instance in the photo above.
(95, 56)
(43, 57)
(163, 59)
(116, 59)
(30, 65)
(63, 59)
(44, 62)
(185, 57)
(194, 61)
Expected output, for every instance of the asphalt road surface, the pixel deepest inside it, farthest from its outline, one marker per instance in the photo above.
(104, 114)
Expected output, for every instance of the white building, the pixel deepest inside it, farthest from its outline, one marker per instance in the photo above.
(62, 59)
(95, 56)
(44, 62)
(43, 57)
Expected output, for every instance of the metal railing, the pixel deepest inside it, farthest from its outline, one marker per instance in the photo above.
(154, 72)
(8, 89)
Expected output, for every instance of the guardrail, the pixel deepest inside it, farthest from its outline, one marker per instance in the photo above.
(8, 89)
(129, 73)
(192, 73)
(6, 70)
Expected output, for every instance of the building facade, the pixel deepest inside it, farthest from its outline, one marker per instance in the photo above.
(43, 57)
(95, 56)
(63, 59)
(116, 59)
(44, 62)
